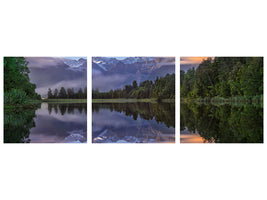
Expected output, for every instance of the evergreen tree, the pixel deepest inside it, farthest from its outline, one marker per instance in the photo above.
(49, 94)
(80, 94)
(134, 84)
(162, 88)
(16, 80)
(55, 94)
(85, 93)
(224, 77)
(62, 93)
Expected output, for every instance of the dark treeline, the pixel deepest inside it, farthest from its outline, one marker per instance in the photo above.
(17, 86)
(67, 94)
(223, 124)
(161, 112)
(224, 77)
(161, 88)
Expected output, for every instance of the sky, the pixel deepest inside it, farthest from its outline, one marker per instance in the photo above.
(42, 62)
(191, 60)
(56, 72)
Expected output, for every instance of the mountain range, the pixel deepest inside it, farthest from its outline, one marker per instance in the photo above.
(186, 67)
(113, 73)
(54, 72)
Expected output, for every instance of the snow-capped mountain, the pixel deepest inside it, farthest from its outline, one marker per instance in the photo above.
(112, 73)
(76, 65)
(55, 72)
(126, 60)
(104, 62)
(132, 60)
(186, 67)
(141, 64)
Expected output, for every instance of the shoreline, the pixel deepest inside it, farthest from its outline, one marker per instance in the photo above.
(239, 100)
(64, 100)
(132, 101)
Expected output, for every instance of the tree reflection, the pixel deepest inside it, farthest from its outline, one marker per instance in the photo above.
(161, 112)
(18, 122)
(224, 123)
(17, 125)
(67, 108)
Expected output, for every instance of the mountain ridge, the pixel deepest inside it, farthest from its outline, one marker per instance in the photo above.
(50, 72)
(111, 73)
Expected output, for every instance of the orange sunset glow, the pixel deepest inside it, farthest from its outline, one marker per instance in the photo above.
(191, 60)
(191, 138)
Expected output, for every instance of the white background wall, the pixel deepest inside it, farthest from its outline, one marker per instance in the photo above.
(132, 28)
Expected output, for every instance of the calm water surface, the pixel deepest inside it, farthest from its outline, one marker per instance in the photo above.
(48, 123)
(206, 123)
(133, 122)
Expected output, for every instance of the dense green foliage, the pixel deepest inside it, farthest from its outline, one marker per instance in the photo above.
(225, 123)
(161, 88)
(224, 77)
(15, 96)
(17, 86)
(67, 94)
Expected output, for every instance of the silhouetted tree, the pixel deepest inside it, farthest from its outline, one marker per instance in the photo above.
(55, 96)
(62, 93)
(49, 94)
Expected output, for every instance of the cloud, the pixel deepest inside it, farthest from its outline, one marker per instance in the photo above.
(42, 62)
(76, 84)
(192, 60)
(105, 118)
(75, 58)
(107, 82)
(52, 72)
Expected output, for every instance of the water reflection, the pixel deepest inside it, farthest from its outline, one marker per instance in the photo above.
(47, 123)
(133, 122)
(17, 125)
(221, 123)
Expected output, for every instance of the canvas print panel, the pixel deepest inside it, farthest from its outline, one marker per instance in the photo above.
(221, 100)
(45, 100)
(133, 100)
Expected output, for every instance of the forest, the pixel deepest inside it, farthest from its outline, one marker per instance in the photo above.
(67, 94)
(18, 89)
(222, 78)
(161, 88)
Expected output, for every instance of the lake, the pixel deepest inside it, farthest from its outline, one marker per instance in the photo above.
(133, 122)
(228, 123)
(47, 123)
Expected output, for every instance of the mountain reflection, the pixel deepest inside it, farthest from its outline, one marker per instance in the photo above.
(161, 112)
(133, 122)
(47, 123)
(221, 124)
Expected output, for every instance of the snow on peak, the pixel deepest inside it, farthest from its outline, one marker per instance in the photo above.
(76, 65)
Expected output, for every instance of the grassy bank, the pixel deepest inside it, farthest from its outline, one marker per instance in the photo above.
(28, 105)
(65, 100)
(131, 100)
